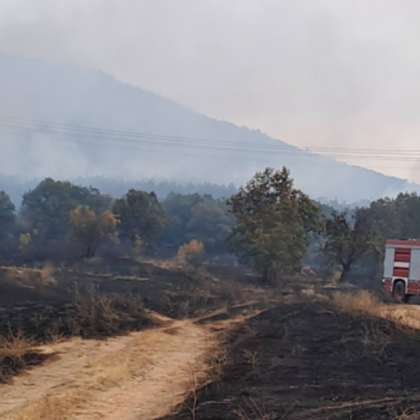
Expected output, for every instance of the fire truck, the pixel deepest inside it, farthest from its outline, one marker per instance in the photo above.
(402, 268)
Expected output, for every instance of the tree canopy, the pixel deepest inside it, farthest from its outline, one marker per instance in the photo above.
(92, 230)
(7, 215)
(194, 216)
(346, 244)
(394, 217)
(46, 208)
(140, 215)
(273, 220)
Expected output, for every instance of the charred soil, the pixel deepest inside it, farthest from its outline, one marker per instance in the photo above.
(308, 360)
(96, 301)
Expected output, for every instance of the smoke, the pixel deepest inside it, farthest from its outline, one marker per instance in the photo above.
(324, 73)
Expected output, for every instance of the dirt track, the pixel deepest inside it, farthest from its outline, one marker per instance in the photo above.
(140, 376)
(145, 375)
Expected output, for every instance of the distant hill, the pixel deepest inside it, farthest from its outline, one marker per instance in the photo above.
(196, 148)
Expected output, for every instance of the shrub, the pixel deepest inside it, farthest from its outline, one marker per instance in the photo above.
(191, 253)
(25, 239)
(139, 247)
(363, 302)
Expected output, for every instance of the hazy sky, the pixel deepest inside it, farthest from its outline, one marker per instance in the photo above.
(334, 73)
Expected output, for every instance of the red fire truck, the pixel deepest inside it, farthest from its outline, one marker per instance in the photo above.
(402, 268)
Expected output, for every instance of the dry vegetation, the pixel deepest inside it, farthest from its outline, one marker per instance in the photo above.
(17, 353)
(59, 310)
(279, 364)
(148, 372)
(53, 304)
(272, 364)
(361, 302)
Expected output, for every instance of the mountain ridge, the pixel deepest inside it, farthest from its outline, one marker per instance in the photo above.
(61, 93)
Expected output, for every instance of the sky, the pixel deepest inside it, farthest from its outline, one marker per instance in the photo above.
(314, 73)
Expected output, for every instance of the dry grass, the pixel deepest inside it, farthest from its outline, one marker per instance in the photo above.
(252, 411)
(111, 372)
(30, 277)
(16, 354)
(406, 413)
(91, 316)
(193, 391)
(108, 372)
(107, 315)
(47, 275)
(49, 408)
(217, 365)
(202, 293)
(251, 357)
(361, 302)
(405, 317)
(377, 335)
(149, 363)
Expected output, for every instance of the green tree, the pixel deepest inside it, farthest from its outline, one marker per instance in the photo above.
(347, 244)
(273, 221)
(46, 208)
(179, 209)
(384, 217)
(211, 223)
(91, 230)
(407, 206)
(7, 216)
(140, 215)
(194, 216)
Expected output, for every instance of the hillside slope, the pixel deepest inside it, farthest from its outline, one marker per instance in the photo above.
(65, 94)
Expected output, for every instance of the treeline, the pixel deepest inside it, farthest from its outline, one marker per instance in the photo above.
(116, 187)
(268, 224)
(59, 219)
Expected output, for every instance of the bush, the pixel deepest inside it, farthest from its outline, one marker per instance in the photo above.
(362, 302)
(191, 253)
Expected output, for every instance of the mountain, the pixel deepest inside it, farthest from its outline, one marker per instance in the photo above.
(145, 136)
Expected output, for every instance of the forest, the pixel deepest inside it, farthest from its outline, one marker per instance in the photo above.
(268, 225)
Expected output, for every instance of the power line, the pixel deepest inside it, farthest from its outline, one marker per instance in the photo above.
(43, 125)
(30, 126)
(121, 135)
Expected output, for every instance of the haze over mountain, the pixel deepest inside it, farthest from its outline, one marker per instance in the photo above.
(143, 135)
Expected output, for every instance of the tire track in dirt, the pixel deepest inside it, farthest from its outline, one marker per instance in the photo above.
(73, 356)
(143, 375)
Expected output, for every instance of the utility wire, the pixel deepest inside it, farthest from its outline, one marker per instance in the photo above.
(40, 125)
(65, 129)
(27, 127)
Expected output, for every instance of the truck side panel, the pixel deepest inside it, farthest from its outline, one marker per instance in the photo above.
(414, 274)
(389, 262)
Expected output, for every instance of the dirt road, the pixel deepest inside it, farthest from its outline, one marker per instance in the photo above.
(140, 376)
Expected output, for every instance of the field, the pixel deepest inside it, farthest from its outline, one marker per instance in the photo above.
(309, 359)
(120, 339)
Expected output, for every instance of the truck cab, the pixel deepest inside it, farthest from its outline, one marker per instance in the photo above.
(402, 268)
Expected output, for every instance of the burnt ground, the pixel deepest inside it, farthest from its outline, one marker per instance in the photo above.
(97, 299)
(307, 360)
(83, 301)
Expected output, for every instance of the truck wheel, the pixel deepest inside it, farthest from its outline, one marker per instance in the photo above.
(398, 292)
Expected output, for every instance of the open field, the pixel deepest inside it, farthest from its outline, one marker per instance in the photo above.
(311, 359)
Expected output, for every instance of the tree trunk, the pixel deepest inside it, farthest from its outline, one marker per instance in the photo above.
(345, 272)
(90, 251)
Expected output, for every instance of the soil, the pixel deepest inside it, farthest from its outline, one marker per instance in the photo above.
(307, 360)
